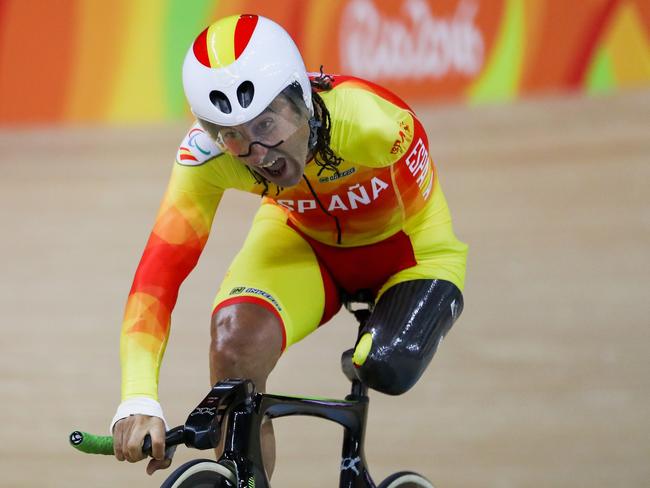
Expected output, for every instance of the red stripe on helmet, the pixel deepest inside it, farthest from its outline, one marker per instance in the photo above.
(201, 48)
(243, 32)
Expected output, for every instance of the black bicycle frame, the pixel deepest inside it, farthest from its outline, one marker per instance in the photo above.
(242, 446)
(245, 410)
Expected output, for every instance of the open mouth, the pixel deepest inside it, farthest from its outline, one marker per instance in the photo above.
(275, 167)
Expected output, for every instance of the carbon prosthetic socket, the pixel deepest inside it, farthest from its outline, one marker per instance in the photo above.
(403, 332)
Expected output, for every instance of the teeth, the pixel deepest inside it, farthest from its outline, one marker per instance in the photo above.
(267, 165)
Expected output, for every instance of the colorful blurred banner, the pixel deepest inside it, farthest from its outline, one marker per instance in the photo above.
(119, 61)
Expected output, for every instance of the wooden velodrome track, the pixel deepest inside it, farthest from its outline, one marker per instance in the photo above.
(543, 382)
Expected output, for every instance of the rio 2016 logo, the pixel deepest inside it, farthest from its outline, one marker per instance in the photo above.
(416, 44)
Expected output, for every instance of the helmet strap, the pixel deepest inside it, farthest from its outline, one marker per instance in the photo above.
(314, 126)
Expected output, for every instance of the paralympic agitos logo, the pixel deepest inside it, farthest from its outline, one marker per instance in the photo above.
(196, 149)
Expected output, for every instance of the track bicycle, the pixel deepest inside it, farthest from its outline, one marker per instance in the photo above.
(235, 403)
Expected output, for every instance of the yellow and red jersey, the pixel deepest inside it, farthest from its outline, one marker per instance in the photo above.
(385, 183)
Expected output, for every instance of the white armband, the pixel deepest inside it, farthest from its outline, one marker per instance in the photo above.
(138, 405)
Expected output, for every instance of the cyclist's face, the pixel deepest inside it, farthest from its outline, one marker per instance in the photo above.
(273, 144)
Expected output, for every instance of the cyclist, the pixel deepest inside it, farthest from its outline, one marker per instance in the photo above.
(350, 200)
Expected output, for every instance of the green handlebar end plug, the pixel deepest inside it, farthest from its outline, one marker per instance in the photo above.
(92, 444)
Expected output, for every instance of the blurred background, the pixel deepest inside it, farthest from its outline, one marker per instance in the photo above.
(538, 119)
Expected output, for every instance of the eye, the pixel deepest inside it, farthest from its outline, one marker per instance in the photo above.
(264, 126)
(228, 135)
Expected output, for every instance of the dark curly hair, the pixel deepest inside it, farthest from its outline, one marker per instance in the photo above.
(324, 156)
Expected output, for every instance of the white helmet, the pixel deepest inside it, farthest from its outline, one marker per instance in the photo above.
(237, 66)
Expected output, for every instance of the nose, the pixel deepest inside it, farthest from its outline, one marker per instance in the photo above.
(257, 154)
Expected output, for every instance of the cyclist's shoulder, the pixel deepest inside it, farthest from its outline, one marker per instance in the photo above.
(197, 148)
(358, 92)
(367, 121)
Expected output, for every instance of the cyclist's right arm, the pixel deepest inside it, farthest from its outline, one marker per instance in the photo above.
(179, 235)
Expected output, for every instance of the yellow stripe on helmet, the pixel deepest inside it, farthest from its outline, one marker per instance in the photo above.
(221, 42)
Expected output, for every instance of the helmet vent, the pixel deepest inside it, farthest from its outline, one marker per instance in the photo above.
(245, 93)
(220, 100)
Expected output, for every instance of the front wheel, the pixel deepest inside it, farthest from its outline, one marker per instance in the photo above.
(201, 473)
(405, 479)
